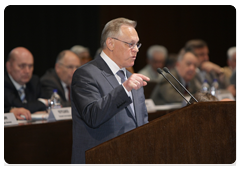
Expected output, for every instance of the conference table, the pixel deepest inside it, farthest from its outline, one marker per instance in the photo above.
(43, 142)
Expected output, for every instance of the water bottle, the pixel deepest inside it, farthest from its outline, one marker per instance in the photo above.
(55, 100)
(214, 88)
(205, 86)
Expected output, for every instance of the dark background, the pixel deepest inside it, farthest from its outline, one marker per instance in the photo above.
(47, 30)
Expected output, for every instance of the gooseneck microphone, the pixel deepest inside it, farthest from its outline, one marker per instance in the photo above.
(167, 71)
(161, 72)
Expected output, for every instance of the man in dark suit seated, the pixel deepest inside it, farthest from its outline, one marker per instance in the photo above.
(107, 100)
(22, 89)
(184, 71)
(206, 69)
(60, 78)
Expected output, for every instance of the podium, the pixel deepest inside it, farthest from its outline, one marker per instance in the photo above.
(201, 133)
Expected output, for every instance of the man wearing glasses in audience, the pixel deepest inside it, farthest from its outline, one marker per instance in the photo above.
(22, 89)
(107, 100)
(60, 78)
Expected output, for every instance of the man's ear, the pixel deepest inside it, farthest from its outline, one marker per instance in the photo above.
(110, 43)
(8, 66)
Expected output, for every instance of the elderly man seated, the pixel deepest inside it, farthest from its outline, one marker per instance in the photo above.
(22, 89)
(156, 58)
(184, 71)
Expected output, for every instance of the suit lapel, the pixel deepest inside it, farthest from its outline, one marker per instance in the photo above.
(110, 77)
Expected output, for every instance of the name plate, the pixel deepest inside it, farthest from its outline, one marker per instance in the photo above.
(225, 96)
(10, 119)
(150, 105)
(60, 114)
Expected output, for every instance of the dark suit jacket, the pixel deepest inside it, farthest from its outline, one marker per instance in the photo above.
(164, 93)
(100, 107)
(51, 81)
(32, 92)
(223, 82)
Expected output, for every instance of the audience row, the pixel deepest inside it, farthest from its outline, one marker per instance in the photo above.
(25, 93)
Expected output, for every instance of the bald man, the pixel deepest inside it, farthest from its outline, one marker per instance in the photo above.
(60, 78)
(22, 89)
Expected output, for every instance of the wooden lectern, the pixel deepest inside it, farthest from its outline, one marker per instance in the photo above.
(201, 133)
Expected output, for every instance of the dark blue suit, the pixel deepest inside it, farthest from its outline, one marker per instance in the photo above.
(101, 107)
(32, 91)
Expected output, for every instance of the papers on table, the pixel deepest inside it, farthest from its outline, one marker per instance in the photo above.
(38, 116)
(151, 107)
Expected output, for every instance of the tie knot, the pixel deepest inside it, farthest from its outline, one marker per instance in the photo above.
(21, 89)
(121, 74)
(68, 87)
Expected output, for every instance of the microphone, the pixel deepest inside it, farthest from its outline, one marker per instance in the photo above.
(167, 71)
(161, 72)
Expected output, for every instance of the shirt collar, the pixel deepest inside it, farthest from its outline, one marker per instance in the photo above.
(112, 65)
(16, 85)
(63, 84)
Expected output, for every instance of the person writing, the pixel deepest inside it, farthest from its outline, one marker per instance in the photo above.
(107, 100)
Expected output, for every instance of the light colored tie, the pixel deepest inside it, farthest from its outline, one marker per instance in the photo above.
(21, 93)
(121, 74)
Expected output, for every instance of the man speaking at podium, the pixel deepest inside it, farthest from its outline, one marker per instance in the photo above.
(107, 100)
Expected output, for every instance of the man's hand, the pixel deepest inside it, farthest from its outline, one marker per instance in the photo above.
(209, 66)
(135, 81)
(21, 111)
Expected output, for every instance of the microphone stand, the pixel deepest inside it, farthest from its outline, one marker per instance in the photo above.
(160, 72)
(167, 71)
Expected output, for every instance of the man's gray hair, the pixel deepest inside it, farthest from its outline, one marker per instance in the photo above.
(78, 49)
(231, 51)
(157, 48)
(112, 29)
(182, 53)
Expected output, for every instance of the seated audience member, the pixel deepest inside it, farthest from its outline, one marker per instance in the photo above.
(206, 69)
(184, 71)
(232, 87)
(232, 54)
(203, 97)
(156, 57)
(82, 53)
(60, 78)
(21, 87)
(231, 61)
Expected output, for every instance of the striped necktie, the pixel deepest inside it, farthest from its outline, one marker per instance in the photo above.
(121, 74)
(22, 95)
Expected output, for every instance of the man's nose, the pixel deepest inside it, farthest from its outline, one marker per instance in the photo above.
(135, 48)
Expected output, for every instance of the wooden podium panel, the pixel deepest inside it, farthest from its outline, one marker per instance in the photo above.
(201, 133)
(44, 143)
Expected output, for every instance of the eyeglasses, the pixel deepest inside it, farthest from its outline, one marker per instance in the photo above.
(131, 45)
(70, 67)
